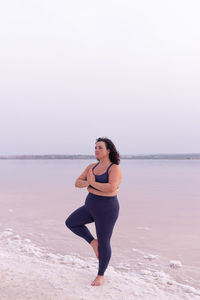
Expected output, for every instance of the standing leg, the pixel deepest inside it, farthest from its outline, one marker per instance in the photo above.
(104, 229)
(75, 222)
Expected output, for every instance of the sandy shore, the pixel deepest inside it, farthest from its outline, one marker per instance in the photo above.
(29, 272)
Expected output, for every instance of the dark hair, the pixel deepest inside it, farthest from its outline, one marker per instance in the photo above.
(114, 154)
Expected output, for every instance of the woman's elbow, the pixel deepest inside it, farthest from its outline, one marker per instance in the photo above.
(112, 188)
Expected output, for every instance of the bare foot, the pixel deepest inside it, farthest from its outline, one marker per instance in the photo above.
(94, 244)
(98, 280)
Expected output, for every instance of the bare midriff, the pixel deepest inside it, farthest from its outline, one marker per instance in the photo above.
(99, 193)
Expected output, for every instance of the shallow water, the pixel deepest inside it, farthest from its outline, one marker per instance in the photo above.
(159, 217)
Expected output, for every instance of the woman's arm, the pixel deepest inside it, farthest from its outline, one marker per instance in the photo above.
(82, 181)
(103, 187)
(100, 193)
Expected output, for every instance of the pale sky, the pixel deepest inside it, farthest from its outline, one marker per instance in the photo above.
(73, 71)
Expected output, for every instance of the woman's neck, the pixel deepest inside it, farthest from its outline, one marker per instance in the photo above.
(104, 161)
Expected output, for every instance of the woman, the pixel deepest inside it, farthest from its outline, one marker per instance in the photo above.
(101, 204)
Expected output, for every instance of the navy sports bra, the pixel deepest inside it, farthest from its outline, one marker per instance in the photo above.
(103, 178)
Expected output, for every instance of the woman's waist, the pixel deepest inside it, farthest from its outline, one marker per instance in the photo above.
(102, 197)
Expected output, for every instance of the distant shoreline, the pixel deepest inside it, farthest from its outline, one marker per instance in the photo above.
(80, 156)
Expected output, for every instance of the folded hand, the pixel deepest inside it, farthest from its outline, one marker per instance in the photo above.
(90, 177)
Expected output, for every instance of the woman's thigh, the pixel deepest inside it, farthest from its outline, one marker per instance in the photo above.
(79, 217)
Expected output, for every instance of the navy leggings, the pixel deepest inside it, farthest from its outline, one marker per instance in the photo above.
(104, 211)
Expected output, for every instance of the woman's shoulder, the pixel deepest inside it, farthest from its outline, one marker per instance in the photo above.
(114, 167)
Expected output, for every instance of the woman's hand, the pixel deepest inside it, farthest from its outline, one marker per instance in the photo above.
(90, 177)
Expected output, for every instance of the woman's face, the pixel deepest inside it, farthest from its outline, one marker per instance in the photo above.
(100, 150)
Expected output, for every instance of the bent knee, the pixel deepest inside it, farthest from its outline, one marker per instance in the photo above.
(68, 223)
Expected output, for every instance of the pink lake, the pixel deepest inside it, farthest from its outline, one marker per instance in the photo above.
(159, 217)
